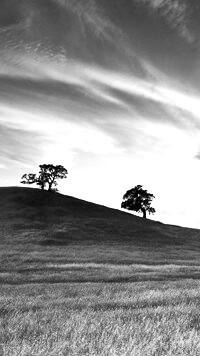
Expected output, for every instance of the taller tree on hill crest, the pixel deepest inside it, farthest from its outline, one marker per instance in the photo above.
(48, 175)
(139, 200)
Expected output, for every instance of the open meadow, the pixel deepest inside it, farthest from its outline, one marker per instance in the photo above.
(80, 279)
(141, 318)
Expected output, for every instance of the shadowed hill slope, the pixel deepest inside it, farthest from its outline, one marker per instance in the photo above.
(28, 208)
(39, 228)
(22, 207)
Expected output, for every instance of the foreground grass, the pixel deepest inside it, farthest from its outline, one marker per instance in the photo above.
(122, 319)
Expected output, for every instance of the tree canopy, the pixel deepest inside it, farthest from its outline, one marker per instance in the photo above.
(48, 176)
(139, 200)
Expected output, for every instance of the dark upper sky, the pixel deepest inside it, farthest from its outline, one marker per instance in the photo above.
(100, 84)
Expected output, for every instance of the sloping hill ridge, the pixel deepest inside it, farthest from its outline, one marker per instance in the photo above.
(41, 229)
(72, 218)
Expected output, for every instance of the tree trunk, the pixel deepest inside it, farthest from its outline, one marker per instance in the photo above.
(144, 213)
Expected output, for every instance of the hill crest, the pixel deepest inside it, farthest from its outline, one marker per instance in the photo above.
(35, 219)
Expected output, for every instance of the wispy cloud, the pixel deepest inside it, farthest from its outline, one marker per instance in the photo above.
(175, 12)
(101, 99)
(89, 15)
(19, 145)
(197, 156)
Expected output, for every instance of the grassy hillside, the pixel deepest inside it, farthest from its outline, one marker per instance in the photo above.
(58, 238)
(58, 255)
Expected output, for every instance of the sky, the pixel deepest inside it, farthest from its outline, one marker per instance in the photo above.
(110, 89)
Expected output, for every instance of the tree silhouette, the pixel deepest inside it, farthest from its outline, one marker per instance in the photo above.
(48, 175)
(139, 200)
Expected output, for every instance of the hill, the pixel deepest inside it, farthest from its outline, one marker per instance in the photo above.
(42, 231)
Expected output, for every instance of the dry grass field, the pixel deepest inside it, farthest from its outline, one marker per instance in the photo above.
(136, 319)
(81, 279)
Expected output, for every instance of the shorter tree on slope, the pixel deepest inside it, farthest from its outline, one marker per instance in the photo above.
(139, 200)
(48, 176)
